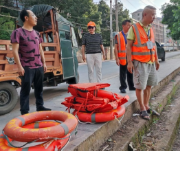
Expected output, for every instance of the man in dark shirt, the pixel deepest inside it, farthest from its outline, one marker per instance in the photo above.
(29, 57)
(92, 42)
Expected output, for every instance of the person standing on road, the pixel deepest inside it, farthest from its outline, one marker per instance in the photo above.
(92, 44)
(142, 60)
(29, 57)
(120, 54)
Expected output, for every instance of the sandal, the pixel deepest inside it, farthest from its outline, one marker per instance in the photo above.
(153, 112)
(144, 115)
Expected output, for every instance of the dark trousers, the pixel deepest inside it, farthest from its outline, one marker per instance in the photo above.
(123, 73)
(35, 76)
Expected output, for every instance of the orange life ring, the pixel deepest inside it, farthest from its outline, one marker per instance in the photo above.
(101, 117)
(48, 146)
(41, 124)
(14, 129)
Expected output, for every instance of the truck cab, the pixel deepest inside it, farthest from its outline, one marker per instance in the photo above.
(60, 49)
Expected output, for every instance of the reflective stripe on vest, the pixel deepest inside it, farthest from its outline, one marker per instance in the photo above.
(121, 48)
(140, 51)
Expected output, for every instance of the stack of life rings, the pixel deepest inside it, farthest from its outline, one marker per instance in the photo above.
(52, 129)
(91, 104)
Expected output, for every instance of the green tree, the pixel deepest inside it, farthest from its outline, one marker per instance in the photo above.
(171, 17)
(105, 26)
(79, 12)
(105, 10)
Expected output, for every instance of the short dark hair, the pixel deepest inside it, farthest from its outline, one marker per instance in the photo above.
(24, 13)
(125, 22)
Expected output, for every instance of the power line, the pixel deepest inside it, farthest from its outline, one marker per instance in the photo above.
(11, 8)
(8, 16)
(6, 30)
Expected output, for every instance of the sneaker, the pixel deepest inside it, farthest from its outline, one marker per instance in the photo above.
(43, 109)
(123, 91)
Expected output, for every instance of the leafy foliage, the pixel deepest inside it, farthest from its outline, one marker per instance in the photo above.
(79, 12)
(6, 23)
(171, 17)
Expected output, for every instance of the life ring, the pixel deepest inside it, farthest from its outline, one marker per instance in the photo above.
(14, 129)
(48, 146)
(41, 124)
(101, 117)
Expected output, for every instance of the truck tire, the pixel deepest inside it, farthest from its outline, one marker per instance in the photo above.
(8, 97)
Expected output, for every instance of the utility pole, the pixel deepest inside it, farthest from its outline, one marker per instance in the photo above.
(117, 24)
(111, 32)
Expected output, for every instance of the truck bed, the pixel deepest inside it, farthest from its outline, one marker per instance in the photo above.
(8, 66)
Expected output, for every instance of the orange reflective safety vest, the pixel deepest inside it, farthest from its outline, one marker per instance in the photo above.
(121, 49)
(140, 51)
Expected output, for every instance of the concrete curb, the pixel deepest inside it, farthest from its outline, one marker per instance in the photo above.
(94, 141)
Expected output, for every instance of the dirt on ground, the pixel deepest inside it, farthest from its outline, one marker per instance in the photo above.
(158, 129)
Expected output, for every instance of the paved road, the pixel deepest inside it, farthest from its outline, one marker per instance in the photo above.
(110, 71)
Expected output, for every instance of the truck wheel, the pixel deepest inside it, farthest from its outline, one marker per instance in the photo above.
(8, 98)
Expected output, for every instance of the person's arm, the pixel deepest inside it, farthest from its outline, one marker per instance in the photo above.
(42, 57)
(129, 54)
(83, 53)
(83, 47)
(102, 49)
(116, 54)
(15, 49)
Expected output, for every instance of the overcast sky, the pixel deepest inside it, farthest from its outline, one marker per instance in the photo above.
(133, 5)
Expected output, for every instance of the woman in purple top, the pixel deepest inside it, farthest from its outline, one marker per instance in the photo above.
(29, 57)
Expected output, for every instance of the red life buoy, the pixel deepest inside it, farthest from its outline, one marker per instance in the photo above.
(14, 129)
(41, 124)
(101, 117)
(47, 146)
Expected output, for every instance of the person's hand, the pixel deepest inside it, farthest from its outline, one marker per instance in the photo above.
(157, 65)
(117, 62)
(45, 67)
(104, 57)
(84, 58)
(130, 67)
(21, 71)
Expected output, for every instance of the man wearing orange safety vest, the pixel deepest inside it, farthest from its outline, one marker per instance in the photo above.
(120, 54)
(142, 60)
